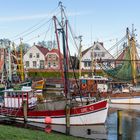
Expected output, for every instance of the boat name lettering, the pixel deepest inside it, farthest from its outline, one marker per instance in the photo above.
(84, 110)
(91, 108)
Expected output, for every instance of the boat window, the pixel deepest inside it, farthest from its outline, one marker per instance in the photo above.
(13, 94)
(25, 96)
(1, 99)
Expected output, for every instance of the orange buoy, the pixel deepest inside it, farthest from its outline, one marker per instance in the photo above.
(84, 86)
(48, 120)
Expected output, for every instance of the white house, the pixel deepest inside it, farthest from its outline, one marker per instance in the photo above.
(93, 53)
(35, 57)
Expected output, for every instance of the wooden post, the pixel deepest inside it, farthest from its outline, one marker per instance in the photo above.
(67, 119)
(25, 110)
(119, 124)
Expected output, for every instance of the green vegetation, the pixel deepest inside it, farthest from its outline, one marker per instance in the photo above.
(14, 133)
(57, 74)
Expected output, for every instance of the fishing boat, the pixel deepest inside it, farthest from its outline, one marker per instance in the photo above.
(90, 84)
(94, 113)
(16, 102)
(125, 83)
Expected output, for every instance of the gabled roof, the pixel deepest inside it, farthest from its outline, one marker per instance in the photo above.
(121, 56)
(101, 43)
(85, 51)
(42, 49)
(55, 51)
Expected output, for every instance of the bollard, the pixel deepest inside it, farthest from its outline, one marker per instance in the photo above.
(67, 119)
(25, 111)
(119, 124)
(89, 131)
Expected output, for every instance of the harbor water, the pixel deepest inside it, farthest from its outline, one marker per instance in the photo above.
(108, 131)
(130, 125)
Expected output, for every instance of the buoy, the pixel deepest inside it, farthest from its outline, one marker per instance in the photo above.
(48, 120)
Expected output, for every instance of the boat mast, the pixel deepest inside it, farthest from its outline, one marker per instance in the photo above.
(9, 63)
(80, 54)
(132, 46)
(3, 58)
(133, 55)
(58, 43)
(21, 61)
(92, 60)
(66, 82)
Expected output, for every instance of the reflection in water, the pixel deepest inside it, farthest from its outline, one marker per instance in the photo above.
(130, 128)
(91, 131)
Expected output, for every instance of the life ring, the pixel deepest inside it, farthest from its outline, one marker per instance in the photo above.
(84, 86)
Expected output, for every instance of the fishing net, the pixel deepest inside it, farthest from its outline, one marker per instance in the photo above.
(125, 68)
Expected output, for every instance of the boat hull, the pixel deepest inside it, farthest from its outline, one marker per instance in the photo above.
(122, 98)
(95, 113)
(125, 100)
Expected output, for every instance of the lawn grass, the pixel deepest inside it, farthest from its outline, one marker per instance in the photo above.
(17, 133)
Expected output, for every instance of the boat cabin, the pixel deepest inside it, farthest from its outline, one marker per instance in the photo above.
(94, 83)
(14, 98)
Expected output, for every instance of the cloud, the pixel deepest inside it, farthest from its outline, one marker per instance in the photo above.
(20, 18)
(38, 16)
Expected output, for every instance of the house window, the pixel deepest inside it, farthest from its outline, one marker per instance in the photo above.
(34, 64)
(27, 64)
(42, 64)
(95, 54)
(30, 55)
(103, 54)
(49, 55)
(37, 55)
(98, 54)
(54, 64)
(49, 64)
(54, 56)
(87, 64)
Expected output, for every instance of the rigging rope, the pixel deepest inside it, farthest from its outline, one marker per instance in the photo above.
(30, 28)
(110, 49)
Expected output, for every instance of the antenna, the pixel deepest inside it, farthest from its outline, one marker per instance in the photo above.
(62, 13)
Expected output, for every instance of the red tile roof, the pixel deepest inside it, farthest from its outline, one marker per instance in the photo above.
(55, 51)
(42, 49)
